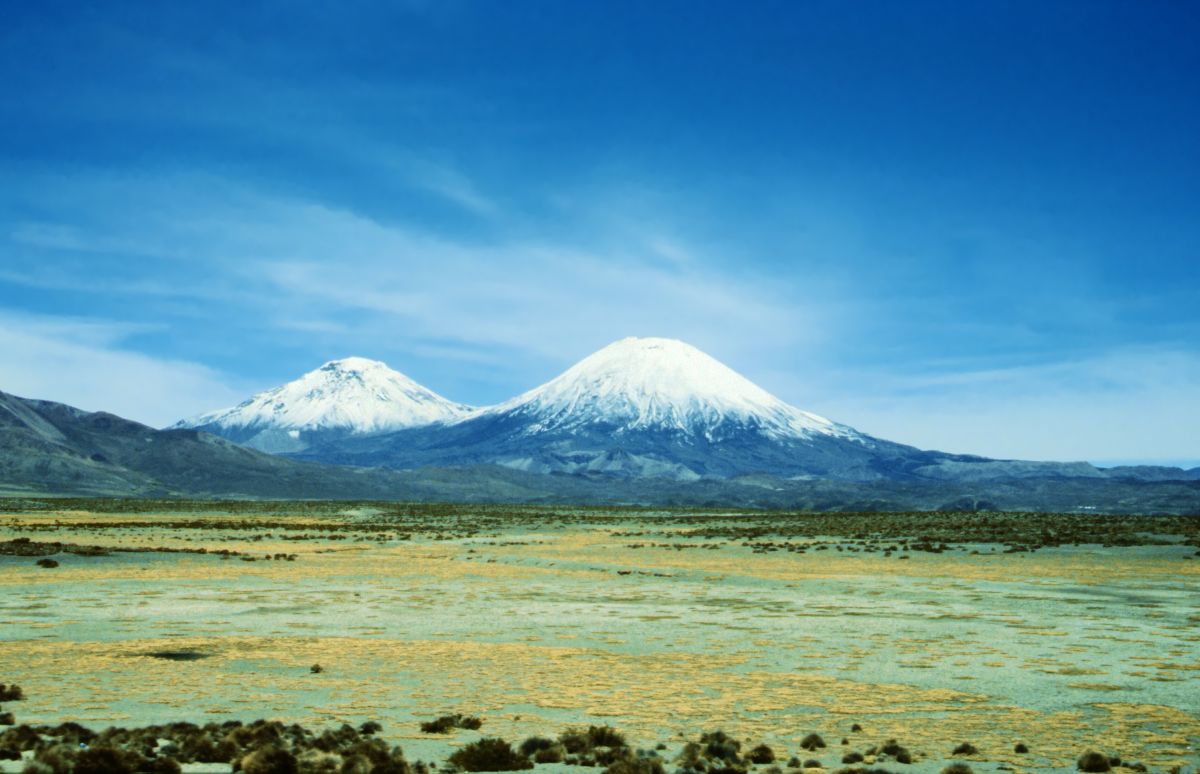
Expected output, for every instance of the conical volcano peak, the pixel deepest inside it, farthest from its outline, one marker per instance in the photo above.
(665, 384)
(353, 394)
(359, 364)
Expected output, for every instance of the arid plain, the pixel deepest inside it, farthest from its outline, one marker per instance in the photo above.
(1060, 633)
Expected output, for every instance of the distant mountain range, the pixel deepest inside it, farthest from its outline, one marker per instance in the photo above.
(642, 421)
(638, 408)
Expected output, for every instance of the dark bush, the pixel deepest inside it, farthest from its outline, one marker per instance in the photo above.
(490, 754)
(856, 727)
(812, 742)
(11, 692)
(1021, 747)
(7, 719)
(370, 727)
(549, 755)
(852, 757)
(794, 763)
(761, 754)
(20, 737)
(1092, 761)
(720, 746)
(106, 760)
(59, 757)
(957, 768)
(630, 764)
(605, 736)
(896, 750)
(49, 564)
(535, 744)
(10, 754)
(813, 764)
(966, 748)
(690, 757)
(575, 742)
(445, 723)
(270, 760)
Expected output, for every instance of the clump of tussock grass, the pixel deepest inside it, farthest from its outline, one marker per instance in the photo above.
(490, 754)
(1094, 762)
(270, 760)
(542, 750)
(446, 723)
(628, 763)
(812, 742)
(594, 745)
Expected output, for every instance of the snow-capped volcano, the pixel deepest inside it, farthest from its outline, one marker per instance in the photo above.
(640, 384)
(636, 408)
(351, 396)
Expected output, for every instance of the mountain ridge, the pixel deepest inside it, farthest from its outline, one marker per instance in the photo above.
(51, 449)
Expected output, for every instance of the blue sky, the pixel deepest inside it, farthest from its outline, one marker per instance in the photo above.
(967, 226)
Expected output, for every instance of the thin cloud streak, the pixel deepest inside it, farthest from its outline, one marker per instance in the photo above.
(82, 363)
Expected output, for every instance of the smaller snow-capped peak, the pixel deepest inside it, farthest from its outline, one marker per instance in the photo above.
(353, 394)
(661, 384)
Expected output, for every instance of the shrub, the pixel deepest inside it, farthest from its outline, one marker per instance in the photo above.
(761, 754)
(535, 744)
(1092, 761)
(634, 765)
(20, 737)
(11, 692)
(58, 757)
(490, 754)
(719, 745)
(690, 756)
(575, 742)
(7, 719)
(47, 563)
(270, 760)
(794, 763)
(445, 723)
(957, 768)
(856, 727)
(813, 764)
(549, 755)
(966, 748)
(1021, 747)
(370, 727)
(106, 760)
(813, 742)
(852, 757)
(605, 736)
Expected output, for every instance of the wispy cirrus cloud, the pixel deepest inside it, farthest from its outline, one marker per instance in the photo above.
(1130, 403)
(86, 363)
